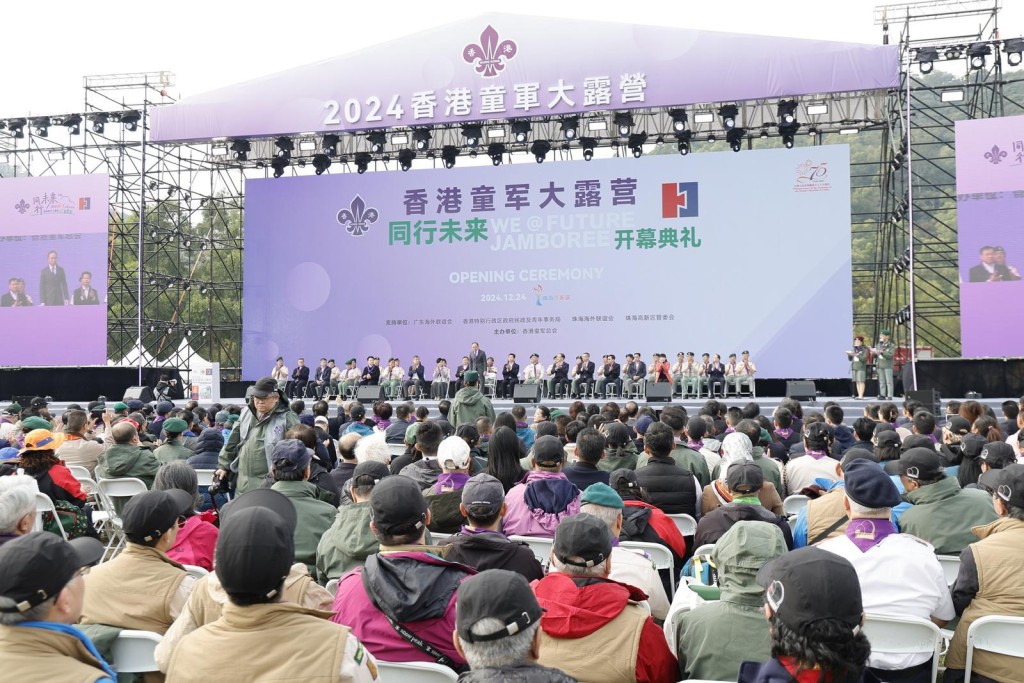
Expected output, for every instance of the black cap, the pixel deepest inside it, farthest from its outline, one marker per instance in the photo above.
(917, 441)
(582, 540)
(265, 386)
(807, 585)
(887, 437)
(148, 515)
(867, 484)
(495, 594)
(624, 478)
(38, 402)
(135, 404)
(397, 506)
(483, 495)
(38, 565)
(369, 473)
(290, 455)
(548, 450)
(745, 476)
(818, 433)
(921, 463)
(998, 455)
(1007, 484)
(256, 545)
(971, 445)
(959, 425)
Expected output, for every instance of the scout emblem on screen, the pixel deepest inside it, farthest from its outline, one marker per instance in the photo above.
(357, 218)
(995, 155)
(490, 54)
(678, 200)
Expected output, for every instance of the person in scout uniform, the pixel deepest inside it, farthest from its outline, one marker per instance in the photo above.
(884, 353)
(858, 358)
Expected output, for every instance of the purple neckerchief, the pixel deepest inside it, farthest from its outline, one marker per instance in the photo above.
(521, 425)
(485, 437)
(695, 445)
(784, 432)
(817, 455)
(450, 481)
(615, 542)
(729, 430)
(932, 437)
(867, 533)
(474, 531)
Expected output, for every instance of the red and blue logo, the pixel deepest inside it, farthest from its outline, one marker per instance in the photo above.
(679, 200)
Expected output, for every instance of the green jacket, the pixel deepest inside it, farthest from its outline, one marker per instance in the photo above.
(126, 460)
(445, 516)
(173, 450)
(771, 471)
(886, 352)
(469, 405)
(943, 514)
(347, 544)
(251, 444)
(626, 458)
(689, 459)
(858, 358)
(314, 519)
(715, 637)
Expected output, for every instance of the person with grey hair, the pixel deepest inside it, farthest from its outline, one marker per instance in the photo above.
(17, 506)
(496, 630)
(197, 537)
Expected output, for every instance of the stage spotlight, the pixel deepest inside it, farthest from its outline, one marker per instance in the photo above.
(421, 138)
(1014, 48)
(588, 145)
(678, 119)
(376, 140)
(812, 131)
(624, 123)
(521, 131)
(735, 138)
(539, 149)
(788, 125)
(953, 52)
(496, 151)
(73, 123)
(362, 161)
(98, 122)
(683, 141)
(321, 162)
(241, 149)
(570, 127)
(41, 126)
(711, 138)
(330, 144)
(130, 120)
(279, 164)
(728, 112)
(636, 143)
(203, 289)
(473, 134)
(17, 127)
(448, 154)
(977, 52)
(284, 147)
(926, 58)
(405, 157)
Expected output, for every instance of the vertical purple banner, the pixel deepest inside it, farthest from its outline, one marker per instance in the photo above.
(53, 270)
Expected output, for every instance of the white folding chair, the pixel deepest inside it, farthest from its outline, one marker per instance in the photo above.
(540, 546)
(660, 556)
(950, 567)
(1002, 635)
(437, 538)
(332, 586)
(44, 504)
(205, 477)
(416, 672)
(904, 636)
(133, 651)
(686, 524)
(107, 490)
(79, 471)
(195, 571)
(684, 601)
(704, 549)
(794, 504)
(396, 450)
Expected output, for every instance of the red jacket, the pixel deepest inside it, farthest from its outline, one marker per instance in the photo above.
(195, 543)
(663, 526)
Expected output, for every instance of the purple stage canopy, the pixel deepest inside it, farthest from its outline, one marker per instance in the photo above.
(501, 66)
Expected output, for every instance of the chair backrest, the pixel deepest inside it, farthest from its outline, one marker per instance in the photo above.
(437, 538)
(794, 504)
(540, 546)
(684, 601)
(44, 504)
(195, 571)
(332, 586)
(660, 556)
(950, 567)
(79, 471)
(87, 483)
(205, 477)
(396, 449)
(1002, 635)
(704, 549)
(686, 524)
(416, 672)
(904, 635)
(125, 487)
(133, 651)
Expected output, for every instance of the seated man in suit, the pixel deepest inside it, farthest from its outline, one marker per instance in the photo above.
(559, 374)
(300, 378)
(584, 375)
(85, 295)
(322, 379)
(610, 374)
(636, 373)
(16, 295)
(414, 381)
(371, 373)
(509, 377)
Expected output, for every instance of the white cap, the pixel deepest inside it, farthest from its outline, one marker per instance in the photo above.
(453, 453)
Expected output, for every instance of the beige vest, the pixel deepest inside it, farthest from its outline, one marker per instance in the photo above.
(280, 642)
(207, 608)
(823, 513)
(34, 654)
(998, 557)
(608, 655)
(134, 590)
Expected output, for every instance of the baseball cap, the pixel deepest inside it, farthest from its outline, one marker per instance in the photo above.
(164, 407)
(321, 421)
(453, 453)
(369, 473)
(255, 546)
(959, 425)
(38, 565)
(42, 440)
(920, 463)
(918, 441)
(265, 386)
(496, 594)
(35, 422)
(867, 484)
(971, 445)
(135, 404)
(601, 494)
(397, 506)
(148, 515)
(472, 376)
(290, 455)
(888, 437)
(548, 450)
(175, 425)
(582, 540)
(624, 478)
(807, 585)
(483, 496)
(998, 455)
(745, 476)
(37, 402)
(1007, 484)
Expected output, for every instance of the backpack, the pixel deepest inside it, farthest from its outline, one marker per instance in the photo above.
(73, 520)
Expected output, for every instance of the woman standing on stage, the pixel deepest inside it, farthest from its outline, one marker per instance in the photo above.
(858, 366)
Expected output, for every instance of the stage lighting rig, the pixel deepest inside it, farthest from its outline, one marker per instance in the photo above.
(496, 151)
(728, 112)
(953, 52)
(679, 119)
(99, 121)
(570, 127)
(73, 123)
(624, 123)
(330, 144)
(405, 157)
(362, 161)
(683, 141)
(130, 120)
(448, 154)
(321, 162)
(521, 131)
(285, 147)
(279, 164)
(41, 126)
(421, 139)
(539, 149)
(1013, 47)
(926, 58)
(735, 138)
(17, 127)
(473, 134)
(788, 125)
(588, 145)
(636, 143)
(377, 140)
(241, 149)
(977, 52)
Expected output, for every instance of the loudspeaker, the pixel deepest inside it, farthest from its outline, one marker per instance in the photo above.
(973, 396)
(659, 391)
(801, 390)
(929, 399)
(526, 393)
(144, 394)
(370, 394)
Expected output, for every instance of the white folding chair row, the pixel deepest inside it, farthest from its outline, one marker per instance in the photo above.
(686, 524)
(79, 471)
(205, 477)
(704, 549)
(415, 672)
(440, 539)
(396, 449)
(132, 652)
(684, 601)
(660, 555)
(44, 504)
(793, 504)
(107, 490)
(904, 636)
(195, 571)
(540, 546)
(998, 634)
(950, 567)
